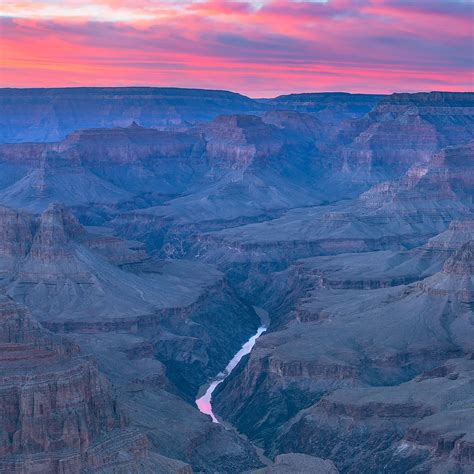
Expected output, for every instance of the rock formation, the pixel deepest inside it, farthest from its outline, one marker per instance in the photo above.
(329, 107)
(386, 343)
(50, 114)
(143, 226)
(404, 129)
(57, 412)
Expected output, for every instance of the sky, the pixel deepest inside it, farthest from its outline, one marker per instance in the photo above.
(259, 48)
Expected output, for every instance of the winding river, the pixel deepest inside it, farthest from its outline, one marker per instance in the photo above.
(204, 403)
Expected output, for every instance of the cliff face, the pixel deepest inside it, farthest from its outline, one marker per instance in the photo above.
(404, 129)
(50, 114)
(16, 232)
(350, 373)
(76, 281)
(163, 326)
(57, 412)
(392, 215)
(323, 337)
(347, 217)
(273, 159)
(330, 108)
(101, 167)
(57, 177)
(424, 424)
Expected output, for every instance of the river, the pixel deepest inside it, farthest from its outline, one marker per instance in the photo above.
(204, 403)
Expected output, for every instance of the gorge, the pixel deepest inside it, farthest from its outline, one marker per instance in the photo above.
(204, 402)
(197, 281)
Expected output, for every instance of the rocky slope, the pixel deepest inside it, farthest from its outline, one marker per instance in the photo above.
(350, 340)
(421, 425)
(298, 463)
(347, 217)
(170, 324)
(390, 216)
(101, 167)
(58, 178)
(278, 160)
(57, 412)
(74, 284)
(231, 167)
(404, 129)
(253, 169)
(173, 424)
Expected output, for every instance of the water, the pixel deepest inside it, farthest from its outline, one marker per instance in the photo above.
(204, 403)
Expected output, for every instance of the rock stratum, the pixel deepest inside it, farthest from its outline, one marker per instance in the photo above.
(141, 227)
(57, 411)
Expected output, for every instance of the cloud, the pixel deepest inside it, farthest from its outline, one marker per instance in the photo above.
(259, 48)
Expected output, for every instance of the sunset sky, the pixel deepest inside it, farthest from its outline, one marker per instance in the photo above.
(259, 48)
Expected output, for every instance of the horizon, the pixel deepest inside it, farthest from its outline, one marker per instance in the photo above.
(238, 92)
(259, 48)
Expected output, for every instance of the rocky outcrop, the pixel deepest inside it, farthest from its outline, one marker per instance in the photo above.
(457, 233)
(423, 424)
(457, 277)
(58, 177)
(233, 166)
(367, 358)
(392, 215)
(16, 233)
(304, 125)
(76, 283)
(59, 428)
(238, 141)
(118, 251)
(404, 129)
(448, 176)
(350, 339)
(462, 261)
(57, 412)
(50, 114)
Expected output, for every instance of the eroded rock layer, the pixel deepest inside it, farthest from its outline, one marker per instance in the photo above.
(57, 412)
(144, 225)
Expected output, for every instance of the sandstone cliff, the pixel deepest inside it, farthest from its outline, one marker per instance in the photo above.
(57, 412)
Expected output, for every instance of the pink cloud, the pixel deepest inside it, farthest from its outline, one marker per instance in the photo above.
(277, 47)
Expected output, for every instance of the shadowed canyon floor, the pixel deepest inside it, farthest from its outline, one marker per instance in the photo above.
(145, 231)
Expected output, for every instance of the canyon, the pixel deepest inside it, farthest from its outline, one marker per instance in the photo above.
(145, 233)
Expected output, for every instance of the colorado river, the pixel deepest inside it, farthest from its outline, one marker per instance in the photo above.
(204, 403)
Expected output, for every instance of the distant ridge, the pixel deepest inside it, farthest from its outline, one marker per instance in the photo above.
(50, 114)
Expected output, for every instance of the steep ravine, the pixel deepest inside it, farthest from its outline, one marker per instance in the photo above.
(289, 462)
(204, 401)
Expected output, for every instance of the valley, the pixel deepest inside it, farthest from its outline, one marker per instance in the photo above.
(204, 402)
(197, 281)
